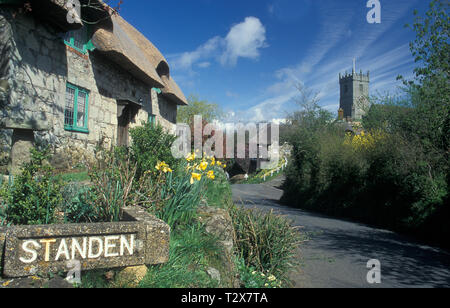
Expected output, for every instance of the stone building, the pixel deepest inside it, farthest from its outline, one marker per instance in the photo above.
(74, 85)
(354, 99)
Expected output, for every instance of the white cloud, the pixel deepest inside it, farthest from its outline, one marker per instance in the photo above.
(186, 60)
(244, 40)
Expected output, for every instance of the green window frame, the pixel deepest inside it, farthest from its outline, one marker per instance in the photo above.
(76, 111)
(79, 40)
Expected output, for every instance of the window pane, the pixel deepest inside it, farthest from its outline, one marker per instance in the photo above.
(81, 109)
(70, 102)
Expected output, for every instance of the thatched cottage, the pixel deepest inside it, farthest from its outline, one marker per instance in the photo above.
(76, 85)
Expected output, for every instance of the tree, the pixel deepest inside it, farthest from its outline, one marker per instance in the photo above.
(309, 118)
(431, 87)
(209, 111)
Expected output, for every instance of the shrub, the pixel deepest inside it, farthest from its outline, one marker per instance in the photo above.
(151, 145)
(35, 194)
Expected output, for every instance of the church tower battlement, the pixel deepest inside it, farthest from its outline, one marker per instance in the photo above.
(354, 88)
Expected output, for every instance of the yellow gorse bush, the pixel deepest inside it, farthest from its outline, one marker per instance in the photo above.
(363, 141)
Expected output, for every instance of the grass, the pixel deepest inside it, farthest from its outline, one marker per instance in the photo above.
(79, 176)
(218, 193)
(192, 251)
(267, 242)
(259, 178)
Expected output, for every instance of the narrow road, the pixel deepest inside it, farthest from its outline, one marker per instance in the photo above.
(337, 252)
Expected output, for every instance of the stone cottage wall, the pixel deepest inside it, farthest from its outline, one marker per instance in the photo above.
(33, 89)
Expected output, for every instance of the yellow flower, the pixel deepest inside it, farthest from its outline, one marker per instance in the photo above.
(213, 161)
(203, 166)
(272, 278)
(162, 166)
(7, 283)
(211, 175)
(191, 157)
(195, 177)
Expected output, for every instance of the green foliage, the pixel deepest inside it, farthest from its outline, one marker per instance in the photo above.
(35, 194)
(192, 251)
(78, 204)
(74, 177)
(180, 199)
(266, 242)
(251, 278)
(208, 111)
(150, 146)
(112, 179)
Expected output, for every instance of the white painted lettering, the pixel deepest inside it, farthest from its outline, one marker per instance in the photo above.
(62, 250)
(27, 249)
(91, 248)
(110, 246)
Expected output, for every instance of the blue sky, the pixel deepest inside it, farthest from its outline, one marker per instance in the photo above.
(247, 55)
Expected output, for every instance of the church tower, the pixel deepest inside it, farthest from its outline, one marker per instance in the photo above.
(354, 94)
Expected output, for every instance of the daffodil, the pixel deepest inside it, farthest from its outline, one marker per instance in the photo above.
(191, 157)
(211, 175)
(195, 177)
(213, 161)
(162, 166)
(203, 166)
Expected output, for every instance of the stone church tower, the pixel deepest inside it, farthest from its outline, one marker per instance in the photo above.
(354, 94)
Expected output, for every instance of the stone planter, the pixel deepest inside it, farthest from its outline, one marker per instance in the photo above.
(140, 239)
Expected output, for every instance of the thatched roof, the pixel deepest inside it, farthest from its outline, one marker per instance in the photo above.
(126, 46)
(119, 41)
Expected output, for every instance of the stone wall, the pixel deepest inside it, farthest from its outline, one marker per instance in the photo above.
(35, 67)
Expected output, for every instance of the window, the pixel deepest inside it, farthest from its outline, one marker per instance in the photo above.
(361, 88)
(76, 109)
(79, 40)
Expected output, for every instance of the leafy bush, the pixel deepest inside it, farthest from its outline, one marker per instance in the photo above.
(151, 145)
(35, 194)
(266, 242)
